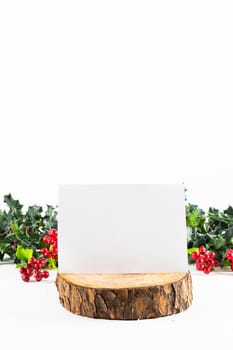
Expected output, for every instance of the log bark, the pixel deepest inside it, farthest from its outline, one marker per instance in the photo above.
(125, 296)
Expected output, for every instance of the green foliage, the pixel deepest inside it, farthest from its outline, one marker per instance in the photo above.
(19, 228)
(213, 229)
(52, 264)
(23, 254)
(195, 217)
(21, 231)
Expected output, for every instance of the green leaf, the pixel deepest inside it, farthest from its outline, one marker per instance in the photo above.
(34, 212)
(226, 263)
(15, 227)
(195, 216)
(193, 249)
(18, 266)
(3, 246)
(52, 264)
(23, 254)
(12, 203)
(228, 211)
(219, 242)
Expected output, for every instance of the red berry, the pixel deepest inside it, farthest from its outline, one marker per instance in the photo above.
(44, 250)
(194, 255)
(22, 270)
(229, 258)
(46, 239)
(32, 261)
(206, 256)
(29, 272)
(51, 241)
(209, 264)
(45, 274)
(216, 263)
(53, 233)
(200, 267)
(212, 255)
(207, 270)
(25, 278)
(53, 249)
(37, 266)
(200, 260)
(229, 255)
(38, 276)
(47, 255)
(202, 249)
(42, 262)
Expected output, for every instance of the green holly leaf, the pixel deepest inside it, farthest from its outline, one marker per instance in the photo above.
(12, 203)
(19, 265)
(219, 242)
(23, 254)
(193, 249)
(52, 265)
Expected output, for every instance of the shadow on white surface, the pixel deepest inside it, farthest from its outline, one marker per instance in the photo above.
(31, 313)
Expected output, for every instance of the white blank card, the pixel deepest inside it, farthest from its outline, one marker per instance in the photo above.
(122, 229)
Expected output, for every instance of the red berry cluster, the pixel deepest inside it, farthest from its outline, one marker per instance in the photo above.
(205, 261)
(51, 241)
(33, 269)
(229, 257)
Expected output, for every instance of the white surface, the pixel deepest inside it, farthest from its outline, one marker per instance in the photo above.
(155, 77)
(31, 316)
(122, 228)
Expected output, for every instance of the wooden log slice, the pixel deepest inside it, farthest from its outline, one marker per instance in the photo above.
(125, 296)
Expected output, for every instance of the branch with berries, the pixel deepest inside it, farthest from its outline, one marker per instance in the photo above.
(206, 260)
(34, 264)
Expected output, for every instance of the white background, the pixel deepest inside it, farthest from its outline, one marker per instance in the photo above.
(116, 92)
(158, 109)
